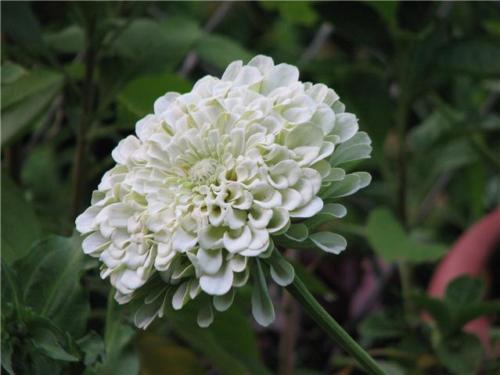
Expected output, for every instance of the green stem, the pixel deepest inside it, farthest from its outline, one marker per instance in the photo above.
(330, 326)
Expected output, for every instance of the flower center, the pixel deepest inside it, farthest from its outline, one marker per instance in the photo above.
(203, 170)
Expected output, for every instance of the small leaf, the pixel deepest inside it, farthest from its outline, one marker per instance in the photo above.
(329, 242)
(262, 306)
(297, 232)
(461, 354)
(389, 240)
(48, 339)
(464, 290)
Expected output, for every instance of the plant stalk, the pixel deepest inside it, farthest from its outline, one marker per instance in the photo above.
(330, 326)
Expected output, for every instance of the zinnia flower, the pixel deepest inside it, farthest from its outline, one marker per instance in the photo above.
(212, 179)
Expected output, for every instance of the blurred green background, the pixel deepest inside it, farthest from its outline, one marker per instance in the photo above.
(424, 80)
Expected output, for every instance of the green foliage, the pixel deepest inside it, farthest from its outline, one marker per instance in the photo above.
(20, 226)
(389, 240)
(423, 79)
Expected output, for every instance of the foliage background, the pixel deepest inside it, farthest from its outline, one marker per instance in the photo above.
(424, 80)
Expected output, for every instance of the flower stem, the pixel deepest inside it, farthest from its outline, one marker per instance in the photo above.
(330, 326)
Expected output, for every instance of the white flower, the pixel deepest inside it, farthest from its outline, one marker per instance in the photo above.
(211, 177)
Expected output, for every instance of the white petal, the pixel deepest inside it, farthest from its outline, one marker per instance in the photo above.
(237, 240)
(280, 75)
(210, 261)
(94, 243)
(85, 222)
(219, 283)
(310, 209)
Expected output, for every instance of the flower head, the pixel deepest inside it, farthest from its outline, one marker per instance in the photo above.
(212, 179)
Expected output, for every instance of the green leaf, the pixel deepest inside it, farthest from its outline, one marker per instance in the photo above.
(461, 354)
(50, 340)
(20, 24)
(436, 308)
(380, 325)
(464, 290)
(69, 40)
(220, 51)
(25, 99)
(475, 57)
(388, 239)
(50, 276)
(11, 72)
(93, 348)
(139, 95)
(20, 228)
(330, 242)
(231, 351)
(155, 46)
(34, 82)
(296, 12)
(468, 313)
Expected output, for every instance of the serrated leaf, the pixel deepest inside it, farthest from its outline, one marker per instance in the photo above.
(464, 290)
(461, 354)
(330, 242)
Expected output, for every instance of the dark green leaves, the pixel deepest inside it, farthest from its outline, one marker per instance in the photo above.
(20, 226)
(139, 95)
(25, 98)
(50, 278)
(220, 51)
(389, 240)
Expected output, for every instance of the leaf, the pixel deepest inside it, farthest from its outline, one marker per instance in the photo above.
(330, 242)
(50, 277)
(155, 46)
(25, 99)
(93, 348)
(68, 40)
(20, 228)
(27, 85)
(380, 325)
(11, 72)
(464, 290)
(468, 313)
(231, 351)
(296, 12)
(50, 340)
(474, 57)
(220, 51)
(388, 239)
(461, 354)
(436, 308)
(139, 95)
(19, 22)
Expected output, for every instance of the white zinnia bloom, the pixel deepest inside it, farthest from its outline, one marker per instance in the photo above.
(197, 196)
